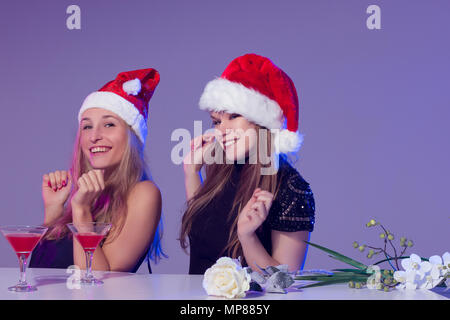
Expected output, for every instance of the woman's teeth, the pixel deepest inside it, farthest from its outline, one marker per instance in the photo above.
(99, 149)
(229, 143)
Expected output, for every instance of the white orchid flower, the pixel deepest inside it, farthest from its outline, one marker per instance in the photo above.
(415, 263)
(439, 263)
(422, 274)
(446, 258)
(406, 279)
(431, 279)
(437, 272)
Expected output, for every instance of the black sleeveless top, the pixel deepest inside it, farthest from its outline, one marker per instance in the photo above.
(293, 209)
(59, 254)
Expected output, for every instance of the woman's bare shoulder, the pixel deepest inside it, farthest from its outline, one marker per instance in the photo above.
(144, 193)
(145, 186)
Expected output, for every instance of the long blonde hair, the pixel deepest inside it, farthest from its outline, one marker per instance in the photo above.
(111, 205)
(217, 176)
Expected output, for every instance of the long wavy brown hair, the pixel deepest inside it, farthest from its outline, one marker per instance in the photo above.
(217, 176)
(111, 205)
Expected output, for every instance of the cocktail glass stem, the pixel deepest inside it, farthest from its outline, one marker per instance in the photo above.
(23, 267)
(23, 285)
(89, 256)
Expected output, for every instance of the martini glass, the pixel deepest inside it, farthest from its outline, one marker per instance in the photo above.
(89, 235)
(23, 239)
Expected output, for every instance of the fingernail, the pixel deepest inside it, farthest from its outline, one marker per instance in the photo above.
(64, 183)
(49, 184)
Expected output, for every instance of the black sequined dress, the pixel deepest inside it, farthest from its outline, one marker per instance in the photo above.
(293, 209)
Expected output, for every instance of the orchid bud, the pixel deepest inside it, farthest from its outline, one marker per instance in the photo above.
(382, 235)
(361, 248)
(355, 244)
(351, 284)
(403, 242)
(391, 236)
(410, 243)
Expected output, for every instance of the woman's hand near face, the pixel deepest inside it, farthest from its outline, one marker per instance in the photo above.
(254, 213)
(56, 188)
(193, 163)
(90, 186)
(194, 160)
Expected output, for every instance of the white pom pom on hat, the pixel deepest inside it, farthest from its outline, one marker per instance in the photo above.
(287, 141)
(132, 87)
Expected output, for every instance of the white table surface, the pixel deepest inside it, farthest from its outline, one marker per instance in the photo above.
(51, 284)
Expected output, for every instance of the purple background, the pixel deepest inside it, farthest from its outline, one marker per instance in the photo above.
(374, 103)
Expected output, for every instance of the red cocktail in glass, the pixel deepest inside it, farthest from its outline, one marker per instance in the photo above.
(23, 239)
(89, 235)
(89, 240)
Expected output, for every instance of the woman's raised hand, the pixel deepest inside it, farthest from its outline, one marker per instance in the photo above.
(194, 160)
(90, 186)
(254, 213)
(56, 188)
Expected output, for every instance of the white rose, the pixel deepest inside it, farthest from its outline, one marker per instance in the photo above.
(226, 278)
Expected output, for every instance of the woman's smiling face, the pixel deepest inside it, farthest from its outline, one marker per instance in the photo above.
(103, 137)
(235, 134)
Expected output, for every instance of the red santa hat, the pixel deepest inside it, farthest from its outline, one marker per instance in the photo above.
(257, 89)
(128, 97)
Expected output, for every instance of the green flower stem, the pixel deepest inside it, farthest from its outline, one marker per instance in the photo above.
(389, 260)
(399, 258)
(395, 251)
(384, 252)
(380, 250)
(403, 251)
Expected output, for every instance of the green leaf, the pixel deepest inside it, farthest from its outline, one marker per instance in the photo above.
(359, 271)
(340, 257)
(341, 275)
(325, 283)
(349, 277)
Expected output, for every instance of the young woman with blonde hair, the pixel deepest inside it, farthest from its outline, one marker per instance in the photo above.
(108, 182)
(242, 208)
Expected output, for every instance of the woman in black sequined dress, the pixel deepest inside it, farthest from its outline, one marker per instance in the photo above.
(252, 203)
